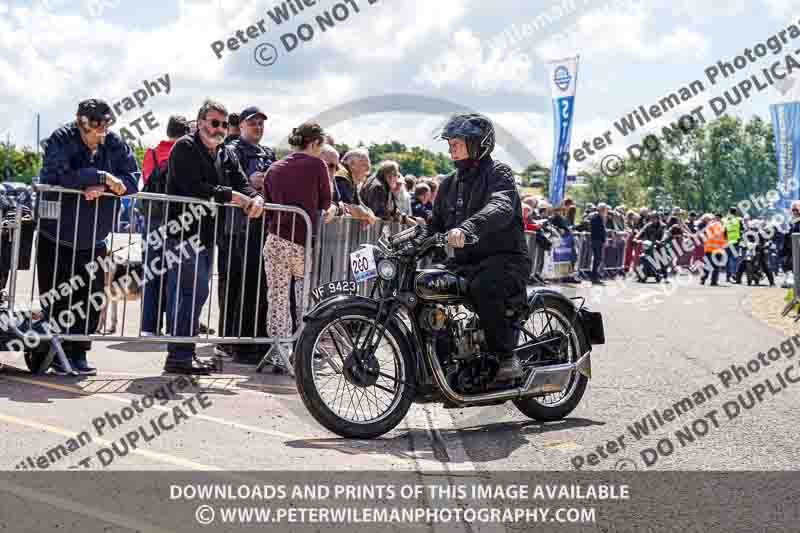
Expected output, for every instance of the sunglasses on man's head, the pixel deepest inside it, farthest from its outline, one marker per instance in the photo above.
(216, 124)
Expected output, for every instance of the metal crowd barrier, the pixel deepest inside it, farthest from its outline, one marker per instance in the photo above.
(233, 276)
(613, 261)
(334, 243)
(123, 275)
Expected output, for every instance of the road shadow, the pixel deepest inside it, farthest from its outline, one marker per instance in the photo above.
(22, 386)
(484, 443)
(396, 445)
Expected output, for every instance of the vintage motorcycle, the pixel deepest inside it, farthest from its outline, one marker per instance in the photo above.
(750, 263)
(361, 361)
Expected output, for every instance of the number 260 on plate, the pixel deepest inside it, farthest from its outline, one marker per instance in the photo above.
(362, 263)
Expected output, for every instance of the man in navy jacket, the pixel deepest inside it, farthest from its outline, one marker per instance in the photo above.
(598, 229)
(85, 156)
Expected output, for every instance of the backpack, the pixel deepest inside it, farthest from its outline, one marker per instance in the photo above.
(156, 183)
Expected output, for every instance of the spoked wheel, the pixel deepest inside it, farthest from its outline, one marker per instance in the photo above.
(552, 319)
(354, 395)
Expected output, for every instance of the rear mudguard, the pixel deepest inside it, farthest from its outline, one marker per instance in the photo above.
(591, 322)
(326, 308)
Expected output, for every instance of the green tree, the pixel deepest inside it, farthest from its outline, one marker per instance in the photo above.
(24, 163)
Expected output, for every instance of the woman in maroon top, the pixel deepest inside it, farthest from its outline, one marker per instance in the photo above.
(300, 179)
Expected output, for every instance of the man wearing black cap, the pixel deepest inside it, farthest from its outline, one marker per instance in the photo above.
(246, 280)
(83, 155)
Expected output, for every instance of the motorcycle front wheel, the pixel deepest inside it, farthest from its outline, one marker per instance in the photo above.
(351, 399)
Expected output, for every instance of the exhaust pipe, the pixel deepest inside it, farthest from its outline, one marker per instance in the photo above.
(543, 380)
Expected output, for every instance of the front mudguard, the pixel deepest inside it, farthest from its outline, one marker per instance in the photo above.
(326, 308)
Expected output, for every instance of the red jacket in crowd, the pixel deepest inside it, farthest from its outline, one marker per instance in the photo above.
(162, 156)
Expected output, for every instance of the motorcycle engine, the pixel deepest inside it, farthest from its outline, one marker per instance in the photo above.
(459, 342)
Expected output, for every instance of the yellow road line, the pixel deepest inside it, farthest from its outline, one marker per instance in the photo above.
(72, 434)
(75, 390)
(342, 448)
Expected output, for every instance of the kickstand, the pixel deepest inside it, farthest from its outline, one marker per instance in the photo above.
(57, 352)
(283, 357)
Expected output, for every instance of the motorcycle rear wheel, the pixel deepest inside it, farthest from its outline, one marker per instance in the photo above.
(555, 407)
(326, 340)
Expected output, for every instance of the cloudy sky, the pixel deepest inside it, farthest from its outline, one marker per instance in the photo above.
(405, 63)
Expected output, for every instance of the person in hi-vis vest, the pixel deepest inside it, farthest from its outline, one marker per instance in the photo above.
(733, 232)
(713, 245)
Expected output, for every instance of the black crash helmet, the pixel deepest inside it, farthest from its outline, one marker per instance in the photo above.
(476, 130)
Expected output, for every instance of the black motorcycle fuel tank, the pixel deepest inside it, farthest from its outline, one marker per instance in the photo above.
(440, 285)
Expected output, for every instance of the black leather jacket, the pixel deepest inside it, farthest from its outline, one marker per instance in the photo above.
(489, 208)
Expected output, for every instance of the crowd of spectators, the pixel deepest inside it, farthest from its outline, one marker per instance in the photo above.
(719, 239)
(258, 260)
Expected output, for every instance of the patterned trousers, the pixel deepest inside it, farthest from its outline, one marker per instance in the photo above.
(283, 260)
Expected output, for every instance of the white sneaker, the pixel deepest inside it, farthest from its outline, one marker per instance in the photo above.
(219, 352)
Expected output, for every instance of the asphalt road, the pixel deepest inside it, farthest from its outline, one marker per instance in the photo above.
(661, 347)
(657, 351)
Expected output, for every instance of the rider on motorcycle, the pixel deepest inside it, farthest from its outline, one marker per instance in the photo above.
(481, 199)
(655, 232)
(754, 237)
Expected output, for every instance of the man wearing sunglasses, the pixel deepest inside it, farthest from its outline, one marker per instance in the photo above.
(200, 166)
(85, 156)
(242, 276)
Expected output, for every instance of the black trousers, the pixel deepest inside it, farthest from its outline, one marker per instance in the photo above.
(496, 285)
(250, 288)
(227, 278)
(597, 257)
(55, 274)
(712, 268)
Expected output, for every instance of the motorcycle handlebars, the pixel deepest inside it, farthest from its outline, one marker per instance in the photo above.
(402, 242)
(440, 239)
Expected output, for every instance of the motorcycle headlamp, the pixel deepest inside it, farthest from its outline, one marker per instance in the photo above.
(387, 270)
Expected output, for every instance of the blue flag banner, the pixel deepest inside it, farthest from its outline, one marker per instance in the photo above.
(563, 77)
(786, 124)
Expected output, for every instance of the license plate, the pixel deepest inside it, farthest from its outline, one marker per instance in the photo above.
(334, 288)
(362, 263)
